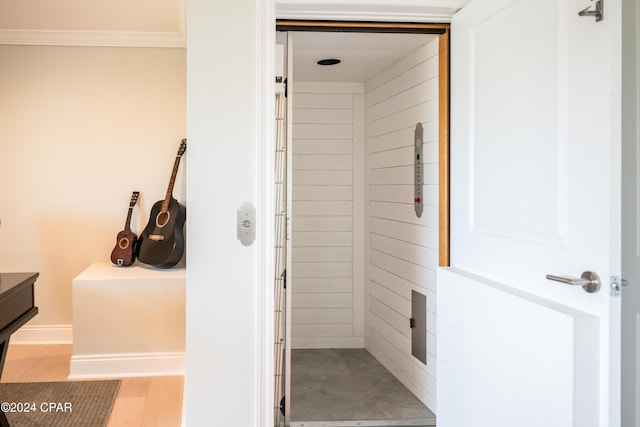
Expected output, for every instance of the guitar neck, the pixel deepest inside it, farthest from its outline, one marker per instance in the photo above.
(172, 181)
(127, 224)
(132, 203)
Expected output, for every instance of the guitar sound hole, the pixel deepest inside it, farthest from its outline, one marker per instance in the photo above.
(123, 243)
(162, 219)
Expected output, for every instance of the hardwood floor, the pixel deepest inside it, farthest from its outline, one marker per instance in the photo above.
(145, 401)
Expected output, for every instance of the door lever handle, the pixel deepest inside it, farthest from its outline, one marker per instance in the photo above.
(589, 281)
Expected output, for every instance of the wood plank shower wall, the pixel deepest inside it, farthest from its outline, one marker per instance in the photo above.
(328, 290)
(403, 249)
(358, 247)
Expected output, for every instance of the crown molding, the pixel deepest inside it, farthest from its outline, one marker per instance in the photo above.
(71, 37)
(93, 38)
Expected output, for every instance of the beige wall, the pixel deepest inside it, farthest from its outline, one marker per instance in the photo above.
(81, 129)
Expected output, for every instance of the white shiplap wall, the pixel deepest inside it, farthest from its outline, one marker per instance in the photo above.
(327, 277)
(403, 249)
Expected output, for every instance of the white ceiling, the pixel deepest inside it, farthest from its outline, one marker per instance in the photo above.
(363, 55)
(163, 23)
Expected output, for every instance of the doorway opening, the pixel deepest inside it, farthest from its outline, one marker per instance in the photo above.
(366, 201)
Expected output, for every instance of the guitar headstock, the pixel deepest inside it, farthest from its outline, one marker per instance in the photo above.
(182, 148)
(134, 198)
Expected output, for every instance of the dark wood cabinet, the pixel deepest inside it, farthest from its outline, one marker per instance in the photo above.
(17, 306)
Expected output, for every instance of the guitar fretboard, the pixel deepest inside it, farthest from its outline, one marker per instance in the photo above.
(132, 203)
(174, 173)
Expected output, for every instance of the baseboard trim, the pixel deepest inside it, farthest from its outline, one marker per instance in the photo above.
(127, 365)
(43, 334)
(93, 38)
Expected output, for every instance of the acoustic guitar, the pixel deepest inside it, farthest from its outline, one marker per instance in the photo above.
(161, 243)
(124, 253)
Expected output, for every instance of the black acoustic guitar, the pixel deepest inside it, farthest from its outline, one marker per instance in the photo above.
(161, 243)
(124, 253)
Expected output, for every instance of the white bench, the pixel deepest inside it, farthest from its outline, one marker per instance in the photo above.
(128, 321)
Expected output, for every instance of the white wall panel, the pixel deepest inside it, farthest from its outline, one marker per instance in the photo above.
(322, 192)
(327, 300)
(402, 248)
(389, 298)
(320, 254)
(421, 276)
(313, 99)
(413, 233)
(322, 269)
(417, 95)
(391, 211)
(402, 193)
(313, 177)
(320, 330)
(405, 81)
(407, 118)
(397, 138)
(326, 124)
(319, 285)
(323, 223)
(410, 252)
(322, 208)
(310, 316)
(319, 130)
(400, 68)
(322, 146)
(324, 115)
(322, 162)
(227, 165)
(392, 157)
(323, 238)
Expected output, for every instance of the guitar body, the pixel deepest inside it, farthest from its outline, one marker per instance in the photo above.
(161, 243)
(124, 253)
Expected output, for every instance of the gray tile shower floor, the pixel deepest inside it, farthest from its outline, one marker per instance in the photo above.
(348, 387)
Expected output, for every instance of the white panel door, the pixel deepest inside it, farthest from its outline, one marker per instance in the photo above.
(535, 190)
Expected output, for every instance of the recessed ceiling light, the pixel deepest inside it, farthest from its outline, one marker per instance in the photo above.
(329, 61)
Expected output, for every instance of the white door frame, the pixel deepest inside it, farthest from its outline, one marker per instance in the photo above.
(268, 11)
(630, 211)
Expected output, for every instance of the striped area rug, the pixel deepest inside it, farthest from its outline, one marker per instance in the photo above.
(51, 404)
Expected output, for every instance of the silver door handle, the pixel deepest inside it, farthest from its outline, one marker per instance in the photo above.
(589, 281)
